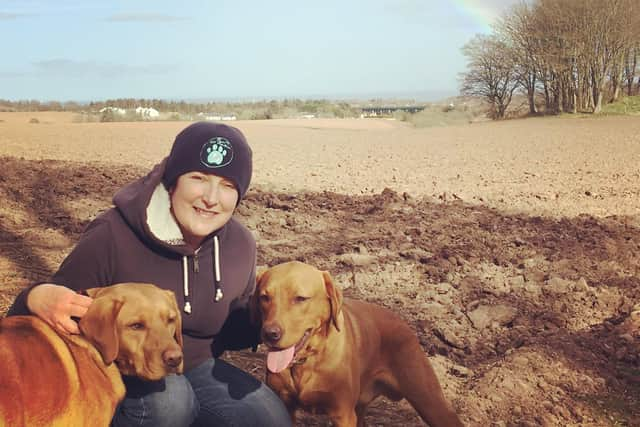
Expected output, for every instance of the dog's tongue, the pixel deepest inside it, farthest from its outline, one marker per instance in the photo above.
(279, 360)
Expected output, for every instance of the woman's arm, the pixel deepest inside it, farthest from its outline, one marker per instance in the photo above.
(88, 265)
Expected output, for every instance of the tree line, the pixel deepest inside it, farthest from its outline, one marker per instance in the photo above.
(261, 109)
(563, 55)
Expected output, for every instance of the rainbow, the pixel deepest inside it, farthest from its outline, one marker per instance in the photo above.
(482, 16)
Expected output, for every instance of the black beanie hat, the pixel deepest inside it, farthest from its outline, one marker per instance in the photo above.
(212, 148)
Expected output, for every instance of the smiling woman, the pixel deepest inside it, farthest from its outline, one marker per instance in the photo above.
(175, 228)
(201, 204)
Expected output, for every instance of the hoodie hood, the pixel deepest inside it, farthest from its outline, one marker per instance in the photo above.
(146, 206)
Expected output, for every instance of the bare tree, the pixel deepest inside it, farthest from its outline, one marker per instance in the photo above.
(630, 65)
(577, 53)
(491, 73)
(539, 30)
(517, 26)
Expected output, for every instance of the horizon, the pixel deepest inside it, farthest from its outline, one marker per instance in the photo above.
(424, 97)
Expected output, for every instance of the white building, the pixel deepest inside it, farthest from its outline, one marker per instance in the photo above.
(114, 110)
(147, 112)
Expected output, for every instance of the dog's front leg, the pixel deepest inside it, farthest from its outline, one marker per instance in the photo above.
(360, 412)
(345, 418)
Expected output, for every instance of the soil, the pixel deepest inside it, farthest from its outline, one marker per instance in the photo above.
(512, 248)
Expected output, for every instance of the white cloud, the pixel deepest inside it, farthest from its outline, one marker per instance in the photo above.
(144, 17)
(11, 16)
(68, 67)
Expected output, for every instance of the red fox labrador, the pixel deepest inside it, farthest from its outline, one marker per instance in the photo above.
(335, 355)
(51, 379)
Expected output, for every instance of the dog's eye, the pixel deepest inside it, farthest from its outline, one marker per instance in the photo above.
(299, 299)
(137, 326)
(265, 298)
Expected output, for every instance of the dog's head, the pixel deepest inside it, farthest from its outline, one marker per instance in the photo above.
(293, 302)
(138, 326)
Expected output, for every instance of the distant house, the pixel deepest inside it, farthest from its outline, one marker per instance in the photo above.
(388, 111)
(113, 110)
(215, 117)
(210, 116)
(147, 112)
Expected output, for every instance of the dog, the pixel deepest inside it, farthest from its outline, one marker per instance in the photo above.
(334, 355)
(54, 379)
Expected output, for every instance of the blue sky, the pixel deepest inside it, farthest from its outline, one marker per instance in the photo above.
(84, 50)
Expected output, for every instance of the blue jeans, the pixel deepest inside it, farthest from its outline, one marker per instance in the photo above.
(213, 393)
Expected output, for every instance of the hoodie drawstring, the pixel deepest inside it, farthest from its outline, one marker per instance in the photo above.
(216, 266)
(185, 284)
(218, 294)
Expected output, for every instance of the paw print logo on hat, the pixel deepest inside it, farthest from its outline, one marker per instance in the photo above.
(216, 153)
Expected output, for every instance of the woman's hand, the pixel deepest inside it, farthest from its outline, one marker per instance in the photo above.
(56, 305)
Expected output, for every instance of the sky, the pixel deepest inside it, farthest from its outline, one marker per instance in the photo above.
(86, 50)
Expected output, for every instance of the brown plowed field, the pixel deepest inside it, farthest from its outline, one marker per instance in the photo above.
(512, 248)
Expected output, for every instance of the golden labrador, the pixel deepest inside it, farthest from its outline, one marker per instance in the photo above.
(51, 379)
(334, 356)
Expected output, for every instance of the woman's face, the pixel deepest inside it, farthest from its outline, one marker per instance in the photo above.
(201, 204)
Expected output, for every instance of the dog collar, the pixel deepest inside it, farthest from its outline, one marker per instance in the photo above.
(298, 361)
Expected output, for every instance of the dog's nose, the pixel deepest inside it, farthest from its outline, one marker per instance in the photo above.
(172, 358)
(272, 333)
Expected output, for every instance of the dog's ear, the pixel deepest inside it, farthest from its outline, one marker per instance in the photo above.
(260, 271)
(98, 325)
(254, 301)
(335, 298)
(171, 296)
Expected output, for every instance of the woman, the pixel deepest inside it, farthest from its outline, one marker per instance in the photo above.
(174, 228)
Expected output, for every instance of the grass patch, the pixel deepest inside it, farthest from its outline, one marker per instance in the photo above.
(442, 115)
(629, 105)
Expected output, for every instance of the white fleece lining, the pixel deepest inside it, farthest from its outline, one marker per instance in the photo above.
(159, 218)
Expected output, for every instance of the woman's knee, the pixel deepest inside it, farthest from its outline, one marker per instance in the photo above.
(268, 408)
(261, 407)
(168, 402)
(230, 396)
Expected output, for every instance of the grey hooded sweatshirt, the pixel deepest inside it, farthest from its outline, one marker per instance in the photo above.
(138, 240)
